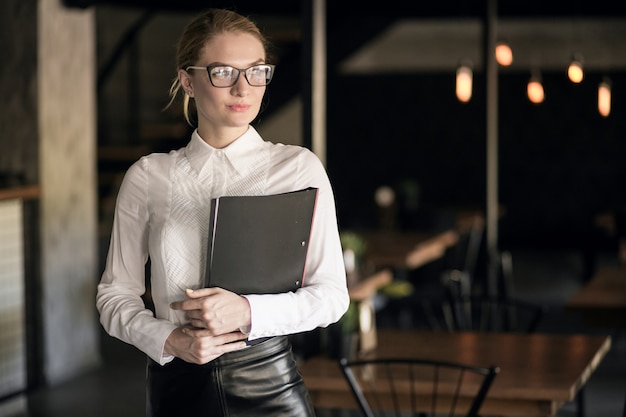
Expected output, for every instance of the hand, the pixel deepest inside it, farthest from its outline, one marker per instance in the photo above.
(215, 309)
(199, 347)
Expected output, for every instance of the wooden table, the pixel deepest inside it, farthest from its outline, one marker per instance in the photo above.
(602, 300)
(409, 250)
(539, 372)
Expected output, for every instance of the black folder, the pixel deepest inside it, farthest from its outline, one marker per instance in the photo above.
(259, 244)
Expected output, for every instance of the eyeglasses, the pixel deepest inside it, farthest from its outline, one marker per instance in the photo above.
(224, 76)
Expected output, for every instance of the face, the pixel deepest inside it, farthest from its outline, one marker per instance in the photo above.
(225, 113)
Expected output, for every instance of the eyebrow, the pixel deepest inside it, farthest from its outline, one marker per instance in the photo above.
(217, 63)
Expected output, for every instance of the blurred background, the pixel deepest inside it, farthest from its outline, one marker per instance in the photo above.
(84, 84)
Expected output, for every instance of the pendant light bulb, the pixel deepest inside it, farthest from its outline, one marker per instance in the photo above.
(575, 70)
(504, 54)
(534, 90)
(464, 78)
(604, 98)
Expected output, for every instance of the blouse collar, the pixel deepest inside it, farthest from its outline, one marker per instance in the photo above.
(238, 152)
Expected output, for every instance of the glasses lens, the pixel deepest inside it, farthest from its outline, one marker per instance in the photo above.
(259, 75)
(223, 76)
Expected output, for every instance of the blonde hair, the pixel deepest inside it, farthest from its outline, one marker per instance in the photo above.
(197, 33)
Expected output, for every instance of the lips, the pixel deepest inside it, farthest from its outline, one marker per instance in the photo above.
(239, 107)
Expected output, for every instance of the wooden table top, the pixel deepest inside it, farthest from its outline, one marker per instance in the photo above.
(410, 250)
(539, 372)
(602, 300)
(606, 289)
(370, 285)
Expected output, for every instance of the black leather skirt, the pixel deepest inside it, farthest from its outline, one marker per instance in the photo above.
(262, 380)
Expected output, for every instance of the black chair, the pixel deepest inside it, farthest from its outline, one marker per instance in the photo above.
(396, 386)
(465, 308)
(459, 275)
(456, 269)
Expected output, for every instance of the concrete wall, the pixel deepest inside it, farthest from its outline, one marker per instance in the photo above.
(67, 155)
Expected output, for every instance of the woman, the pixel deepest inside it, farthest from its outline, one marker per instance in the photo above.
(198, 360)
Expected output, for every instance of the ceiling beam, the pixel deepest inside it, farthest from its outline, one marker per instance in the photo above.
(417, 45)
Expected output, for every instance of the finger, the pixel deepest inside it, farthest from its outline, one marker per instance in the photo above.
(198, 324)
(196, 332)
(201, 292)
(184, 305)
(231, 347)
(231, 337)
(193, 295)
(218, 340)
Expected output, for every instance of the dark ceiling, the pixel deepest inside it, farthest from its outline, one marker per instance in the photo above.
(353, 8)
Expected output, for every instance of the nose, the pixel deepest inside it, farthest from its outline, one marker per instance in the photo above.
(241, 87)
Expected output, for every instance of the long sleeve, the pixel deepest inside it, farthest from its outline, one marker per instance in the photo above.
(123, 313)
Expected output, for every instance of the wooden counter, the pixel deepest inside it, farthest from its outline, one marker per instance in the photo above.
(26, 192)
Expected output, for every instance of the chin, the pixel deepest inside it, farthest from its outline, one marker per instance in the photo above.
(241, 121)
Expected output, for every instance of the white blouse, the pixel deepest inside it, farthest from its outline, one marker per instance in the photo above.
(162, 214)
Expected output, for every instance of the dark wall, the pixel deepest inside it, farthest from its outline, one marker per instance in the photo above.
(560, 164)
(18, 89)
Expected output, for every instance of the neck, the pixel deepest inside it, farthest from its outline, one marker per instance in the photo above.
(221, 138)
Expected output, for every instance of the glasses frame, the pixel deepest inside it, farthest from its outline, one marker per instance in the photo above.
(208, 69)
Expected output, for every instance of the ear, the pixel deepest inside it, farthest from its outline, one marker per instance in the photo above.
(185, 82)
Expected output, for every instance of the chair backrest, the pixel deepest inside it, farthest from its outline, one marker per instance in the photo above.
(457, 278)
(419, 387)
(466, 309)
(465, 254)
(494, 314)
